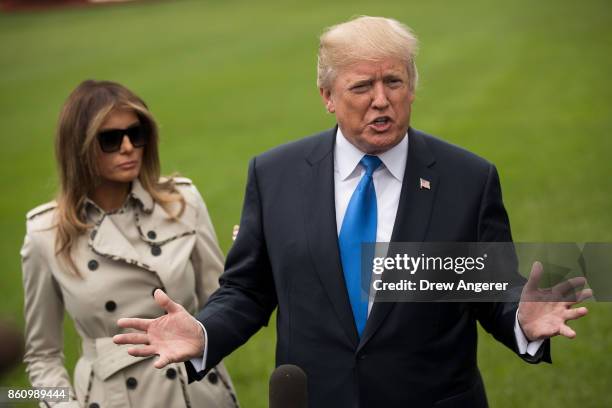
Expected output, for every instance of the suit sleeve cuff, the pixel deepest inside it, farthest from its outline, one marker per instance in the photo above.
(199, 364)
(525, 346)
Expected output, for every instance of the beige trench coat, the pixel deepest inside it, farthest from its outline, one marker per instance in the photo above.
(124, 257)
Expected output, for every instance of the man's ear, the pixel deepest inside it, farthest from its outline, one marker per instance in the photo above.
(327, 100)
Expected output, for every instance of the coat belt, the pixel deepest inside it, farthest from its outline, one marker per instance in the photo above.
(107, 357)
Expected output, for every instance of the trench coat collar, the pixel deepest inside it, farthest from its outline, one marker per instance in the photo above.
(137, 194)
(142, 196)
(106, 239)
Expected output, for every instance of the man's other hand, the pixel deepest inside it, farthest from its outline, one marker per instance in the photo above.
(544, 313)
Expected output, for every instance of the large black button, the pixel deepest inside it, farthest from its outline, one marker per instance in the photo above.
(92, 265)
(363, 356)
(110, 306)
(213, 378)
(155, 250)
(171, 373)
(154, 289)
(94, 405)
(131, 383)
(151, 234)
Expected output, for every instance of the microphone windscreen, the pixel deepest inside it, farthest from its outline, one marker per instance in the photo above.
(288, 387)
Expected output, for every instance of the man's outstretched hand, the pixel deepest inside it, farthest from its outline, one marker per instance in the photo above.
(543, 313)
(175, 337)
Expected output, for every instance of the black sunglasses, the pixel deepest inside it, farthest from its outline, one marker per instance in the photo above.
(111, 139)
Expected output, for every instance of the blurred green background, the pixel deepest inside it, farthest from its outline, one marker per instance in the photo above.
(525, 84)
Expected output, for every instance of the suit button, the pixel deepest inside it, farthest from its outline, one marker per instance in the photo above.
(94, 405)
(212, 378)
(151, 235)
(362, 356)
(92, 265)
(171, 373)
(110, 306)
(155, 250)
(131, 383)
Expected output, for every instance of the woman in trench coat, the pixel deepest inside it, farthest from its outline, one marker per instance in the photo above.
(114, 234)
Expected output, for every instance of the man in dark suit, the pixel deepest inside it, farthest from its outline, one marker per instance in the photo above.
(310, 204)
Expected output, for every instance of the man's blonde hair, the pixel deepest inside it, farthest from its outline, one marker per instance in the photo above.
(365, 38)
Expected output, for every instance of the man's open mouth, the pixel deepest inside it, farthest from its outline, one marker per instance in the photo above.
(381, 123)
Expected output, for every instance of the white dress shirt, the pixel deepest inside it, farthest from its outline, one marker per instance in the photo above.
(388, 179)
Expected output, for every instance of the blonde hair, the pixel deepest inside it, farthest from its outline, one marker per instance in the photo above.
(365, 38)
(83, 113)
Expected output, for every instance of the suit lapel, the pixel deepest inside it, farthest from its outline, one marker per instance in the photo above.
(413, 213)
(320, 220)
(414, 210)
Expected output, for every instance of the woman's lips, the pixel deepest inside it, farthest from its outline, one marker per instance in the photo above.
(128, 165)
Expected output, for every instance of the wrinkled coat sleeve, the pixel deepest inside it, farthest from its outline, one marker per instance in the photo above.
(498, 318)
(247, 296)
(44, 315)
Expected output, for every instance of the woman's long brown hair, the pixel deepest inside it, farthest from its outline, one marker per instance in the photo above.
(83, 113)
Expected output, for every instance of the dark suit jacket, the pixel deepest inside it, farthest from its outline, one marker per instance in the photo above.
(286, 256)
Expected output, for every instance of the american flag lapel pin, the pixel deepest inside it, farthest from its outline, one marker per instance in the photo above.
(424, 184)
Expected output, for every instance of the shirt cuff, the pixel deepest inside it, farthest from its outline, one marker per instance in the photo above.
(199, 364)
(525, 346)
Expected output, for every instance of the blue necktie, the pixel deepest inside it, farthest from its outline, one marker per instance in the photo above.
(359, 226)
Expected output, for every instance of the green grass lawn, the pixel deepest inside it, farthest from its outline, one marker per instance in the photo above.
(522, 83)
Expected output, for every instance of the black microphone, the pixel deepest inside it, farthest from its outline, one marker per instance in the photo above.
(288, 387)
